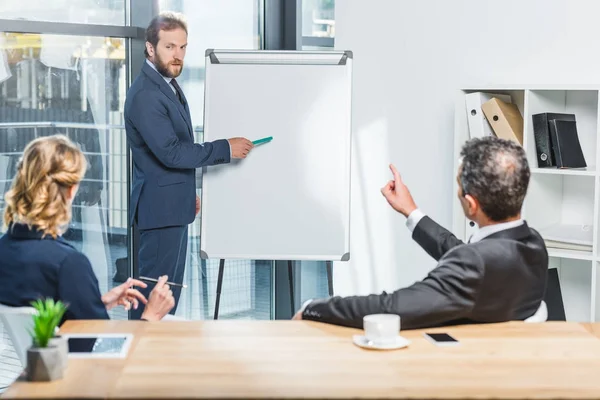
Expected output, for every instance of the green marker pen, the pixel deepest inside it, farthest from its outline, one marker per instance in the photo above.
(263, 140)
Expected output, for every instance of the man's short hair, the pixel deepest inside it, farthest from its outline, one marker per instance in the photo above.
(495, 172)
(165, 21)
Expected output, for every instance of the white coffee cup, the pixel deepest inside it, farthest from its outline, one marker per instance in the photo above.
(381, 328)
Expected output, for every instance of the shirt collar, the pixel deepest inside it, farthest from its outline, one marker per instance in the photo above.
(167, 79)
(25, 232)
(488, 230)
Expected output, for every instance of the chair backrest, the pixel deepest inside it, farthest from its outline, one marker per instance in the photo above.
(541, 315)
(553, 297)
(18, 323)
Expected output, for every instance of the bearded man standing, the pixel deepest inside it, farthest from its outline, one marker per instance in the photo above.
(165, 157)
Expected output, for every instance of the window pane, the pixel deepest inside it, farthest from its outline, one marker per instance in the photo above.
(101, 12)
(313, 280)
(318, 18)
(247, 284)
(76, 86)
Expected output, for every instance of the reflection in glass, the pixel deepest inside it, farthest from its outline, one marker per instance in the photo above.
(72, 85)
(318, 18)
(100, 12)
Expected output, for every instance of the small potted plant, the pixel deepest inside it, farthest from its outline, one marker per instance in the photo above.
(44, 360)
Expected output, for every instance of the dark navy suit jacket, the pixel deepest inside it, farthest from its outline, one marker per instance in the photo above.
(32, 267)
(165, 157)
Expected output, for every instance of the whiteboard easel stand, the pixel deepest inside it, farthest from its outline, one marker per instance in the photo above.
(291, 282)
(227, 69)
(329, 266)
(219, 287)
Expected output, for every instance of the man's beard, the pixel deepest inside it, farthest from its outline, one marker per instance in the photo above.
(163, 67)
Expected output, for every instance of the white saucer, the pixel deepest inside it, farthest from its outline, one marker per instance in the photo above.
(363, 342)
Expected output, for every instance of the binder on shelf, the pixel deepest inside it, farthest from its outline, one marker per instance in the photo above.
(565, 144)
(568, 236)
(478, 124)
(505, 118)
(541, 135)
(552, 244)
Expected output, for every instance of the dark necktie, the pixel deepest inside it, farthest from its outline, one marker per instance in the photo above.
(178, 90)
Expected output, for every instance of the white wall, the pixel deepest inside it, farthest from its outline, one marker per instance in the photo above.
(410, 57)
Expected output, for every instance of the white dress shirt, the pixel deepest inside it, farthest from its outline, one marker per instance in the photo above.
(415, 216)
(166, 78)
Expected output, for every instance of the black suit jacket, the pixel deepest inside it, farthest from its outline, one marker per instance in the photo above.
(32, 267)
(500, 278)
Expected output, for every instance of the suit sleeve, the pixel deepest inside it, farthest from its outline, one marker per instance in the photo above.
(78, 288)
(434, 239)
(152, 121)
(449, 292)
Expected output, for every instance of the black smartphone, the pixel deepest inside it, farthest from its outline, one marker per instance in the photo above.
(441, 339)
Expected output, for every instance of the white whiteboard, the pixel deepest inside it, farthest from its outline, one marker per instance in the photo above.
(290, 198)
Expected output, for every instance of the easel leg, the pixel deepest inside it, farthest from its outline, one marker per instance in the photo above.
(291, 280)
(219, 287)
(330, 277)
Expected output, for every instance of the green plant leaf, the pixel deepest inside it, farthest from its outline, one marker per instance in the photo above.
(48, 316)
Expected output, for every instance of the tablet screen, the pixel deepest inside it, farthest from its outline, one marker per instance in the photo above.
(95, 344)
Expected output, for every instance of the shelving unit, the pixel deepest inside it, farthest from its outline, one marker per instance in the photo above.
(554, 195)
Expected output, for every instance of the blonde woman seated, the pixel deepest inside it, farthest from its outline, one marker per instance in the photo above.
(36, 262)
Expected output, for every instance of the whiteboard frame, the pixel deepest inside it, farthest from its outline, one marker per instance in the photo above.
(282, 57)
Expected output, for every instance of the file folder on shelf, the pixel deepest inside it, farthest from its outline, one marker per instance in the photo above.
(541, 135)
(505, 118)
(478, 124)
(565, 144)
(568, 236)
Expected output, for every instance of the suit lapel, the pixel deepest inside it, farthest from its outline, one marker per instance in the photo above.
(186, 108)
(166, 89)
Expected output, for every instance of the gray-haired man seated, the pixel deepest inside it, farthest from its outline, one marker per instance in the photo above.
(500, 275)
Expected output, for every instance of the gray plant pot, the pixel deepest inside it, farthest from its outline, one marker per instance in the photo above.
(63, 347)
(44, 364)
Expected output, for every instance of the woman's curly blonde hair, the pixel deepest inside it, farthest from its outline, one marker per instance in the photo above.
(39, 193)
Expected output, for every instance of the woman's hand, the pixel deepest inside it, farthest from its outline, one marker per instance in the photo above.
(125, 295)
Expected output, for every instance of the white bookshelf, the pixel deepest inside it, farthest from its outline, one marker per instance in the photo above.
(554, 195)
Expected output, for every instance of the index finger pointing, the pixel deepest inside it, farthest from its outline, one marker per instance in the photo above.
(395, 173)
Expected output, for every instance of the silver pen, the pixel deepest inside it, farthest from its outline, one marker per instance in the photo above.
(145, 278)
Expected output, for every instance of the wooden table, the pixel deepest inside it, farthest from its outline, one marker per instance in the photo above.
(594, 329)
(301, 359)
